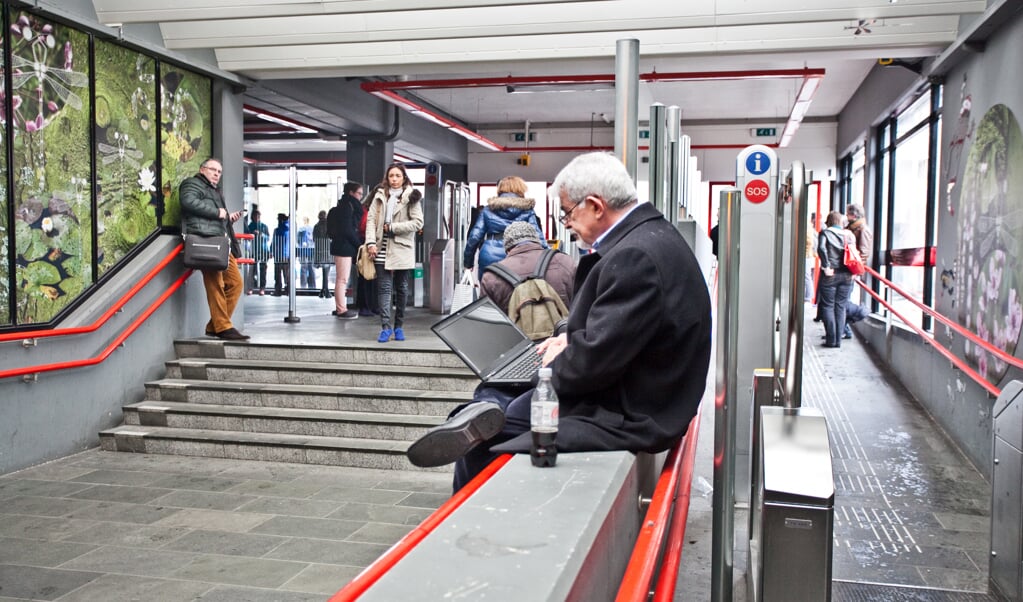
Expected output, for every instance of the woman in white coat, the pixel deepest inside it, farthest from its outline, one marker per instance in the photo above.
(395, 215)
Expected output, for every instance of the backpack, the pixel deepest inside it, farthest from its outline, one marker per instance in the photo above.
(534, 306)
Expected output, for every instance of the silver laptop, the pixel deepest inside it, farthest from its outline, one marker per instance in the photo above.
(490, 344)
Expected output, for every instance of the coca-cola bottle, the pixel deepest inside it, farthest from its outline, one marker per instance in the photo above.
(543, 421)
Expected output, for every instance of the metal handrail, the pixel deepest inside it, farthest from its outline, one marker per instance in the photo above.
(110, 348)
(668, 577)
(660, 520)
(972, 337)
(56, 332)
(372, 573)
(929, 339)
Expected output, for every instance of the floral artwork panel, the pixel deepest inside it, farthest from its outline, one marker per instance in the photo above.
(186, 106)
(5, 290)
(991, 240)
(50, 161)
(126, 135)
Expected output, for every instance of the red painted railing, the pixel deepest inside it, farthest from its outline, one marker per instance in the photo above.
(929, 338)
(664, 525)
(58, 332)
(371, 574)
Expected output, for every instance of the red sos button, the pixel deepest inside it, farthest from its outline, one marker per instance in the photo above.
(431, 180)
(757, 191)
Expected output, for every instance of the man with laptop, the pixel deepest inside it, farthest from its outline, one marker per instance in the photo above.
(631, 369)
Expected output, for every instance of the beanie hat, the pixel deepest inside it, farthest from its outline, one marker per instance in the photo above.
(517, 232)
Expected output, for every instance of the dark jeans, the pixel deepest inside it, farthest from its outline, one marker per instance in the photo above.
(281, 277)
(259, 276)
(515, 403)
(325, 268)
(366, 294)
(307, 275)
(833, 295)
(392, 291)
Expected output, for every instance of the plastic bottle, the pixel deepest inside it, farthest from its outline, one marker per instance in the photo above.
(543, 421)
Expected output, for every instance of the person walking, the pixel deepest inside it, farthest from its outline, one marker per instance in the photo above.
(281, 253)
(487, 233)
(395, 215)
(203, 211)
(343, 229)
(321, 253)
(260, 251)
(836, 279)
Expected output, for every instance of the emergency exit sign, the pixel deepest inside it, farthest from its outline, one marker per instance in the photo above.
(521, 136)
(765, 131)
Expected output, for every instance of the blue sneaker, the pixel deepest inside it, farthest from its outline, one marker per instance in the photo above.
(385, 335)
(399, 334)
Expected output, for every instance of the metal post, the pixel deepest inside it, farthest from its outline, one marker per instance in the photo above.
(657, 158)
(627, 104)
(726, 385)
(676, 163)
(685, 196)
(292, 317)
(796, 187)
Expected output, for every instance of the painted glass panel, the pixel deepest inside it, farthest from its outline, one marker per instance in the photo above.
(5, 257)
(186, 101)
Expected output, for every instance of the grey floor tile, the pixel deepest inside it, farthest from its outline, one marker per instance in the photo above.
(128, 535)
(130, 561)
(120, 493)
(322, 528)
(255, 572)
(290, 507)
(425, 500)
(329, 552)
(139, 514)
(399, 515)
(209, 500)
(324, 579)
(223, 542)
(118, 477)
(196, 482)
(38, 527)
(34, 583)
(963, 522)
(197, 518)
(367, 496)
(429, 483)
(43, 506)
(290, 489)
(264, 471)
(14, 487)
(58, 470)
(109, 588)
(964, 581)
(244, 594)
(381, 533)
(39, 553)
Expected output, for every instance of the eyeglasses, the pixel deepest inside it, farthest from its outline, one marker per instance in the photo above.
(213, 169)
(568, 214)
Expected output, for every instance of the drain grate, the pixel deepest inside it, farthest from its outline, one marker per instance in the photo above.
(848, 591)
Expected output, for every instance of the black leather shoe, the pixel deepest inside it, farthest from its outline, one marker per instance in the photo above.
(232, 334)
(445, 443)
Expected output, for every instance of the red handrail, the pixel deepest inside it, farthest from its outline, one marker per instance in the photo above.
(371, 574)
(110, 348)
(929, 339)
(639, 573)
(972, 337)
(666, 580)
(55, 332)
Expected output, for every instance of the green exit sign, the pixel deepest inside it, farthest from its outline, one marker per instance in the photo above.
(521, 136)
(644, 134)
(765, 132)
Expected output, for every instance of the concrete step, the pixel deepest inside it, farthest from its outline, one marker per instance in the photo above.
(267, 447)
(355, 353)
(314, 397)
(375, 375)
(291, 421)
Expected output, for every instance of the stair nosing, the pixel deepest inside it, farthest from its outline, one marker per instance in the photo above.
(418, 394)
(256, 438)
(310, 414)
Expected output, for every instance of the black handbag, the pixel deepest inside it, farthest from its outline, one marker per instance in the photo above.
(206, 252)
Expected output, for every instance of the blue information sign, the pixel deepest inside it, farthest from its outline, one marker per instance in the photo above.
(758, 163)
(431, 168)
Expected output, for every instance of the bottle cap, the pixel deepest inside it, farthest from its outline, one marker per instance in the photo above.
(544, 372)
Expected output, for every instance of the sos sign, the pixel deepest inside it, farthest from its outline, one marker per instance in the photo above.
(757, 191)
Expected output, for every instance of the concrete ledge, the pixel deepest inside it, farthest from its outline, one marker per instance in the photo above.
(564, 533)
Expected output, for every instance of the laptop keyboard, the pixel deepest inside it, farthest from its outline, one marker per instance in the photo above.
(522, 368)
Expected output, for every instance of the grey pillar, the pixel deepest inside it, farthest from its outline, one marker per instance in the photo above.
(658, 160)
(627, 104)
(676, 163)
(368, 161)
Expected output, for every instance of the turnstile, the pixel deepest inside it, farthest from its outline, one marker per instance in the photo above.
(793, 508)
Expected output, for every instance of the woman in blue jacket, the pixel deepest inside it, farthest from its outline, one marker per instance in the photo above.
(487, 234)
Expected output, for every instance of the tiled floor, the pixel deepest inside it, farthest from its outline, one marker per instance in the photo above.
(108, 526)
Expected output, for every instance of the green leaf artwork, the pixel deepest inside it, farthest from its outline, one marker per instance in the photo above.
(186, 101)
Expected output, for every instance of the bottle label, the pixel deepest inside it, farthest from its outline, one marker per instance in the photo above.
(544, 416)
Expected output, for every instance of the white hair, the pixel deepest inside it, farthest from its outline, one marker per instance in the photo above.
(598, 174)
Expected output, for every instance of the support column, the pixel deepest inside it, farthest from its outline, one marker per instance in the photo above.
(368, 161)
(627, 104)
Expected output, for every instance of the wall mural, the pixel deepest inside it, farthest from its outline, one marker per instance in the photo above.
(5, 290)
(50, 159)
(126, 139)
(186, 101)
(989, 273)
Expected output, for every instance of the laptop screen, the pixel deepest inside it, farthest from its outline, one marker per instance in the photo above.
(480, 333)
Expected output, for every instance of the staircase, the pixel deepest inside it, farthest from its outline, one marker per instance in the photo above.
(338, 405)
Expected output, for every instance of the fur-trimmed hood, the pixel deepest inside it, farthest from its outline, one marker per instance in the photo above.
(498, 203)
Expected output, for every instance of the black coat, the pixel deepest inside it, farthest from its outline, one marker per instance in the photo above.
(639, 340)
(343, 226)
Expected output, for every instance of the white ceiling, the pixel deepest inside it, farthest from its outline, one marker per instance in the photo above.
(431, 39)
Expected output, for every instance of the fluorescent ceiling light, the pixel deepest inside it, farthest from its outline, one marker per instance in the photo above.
(433, 118)
(277, 119)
